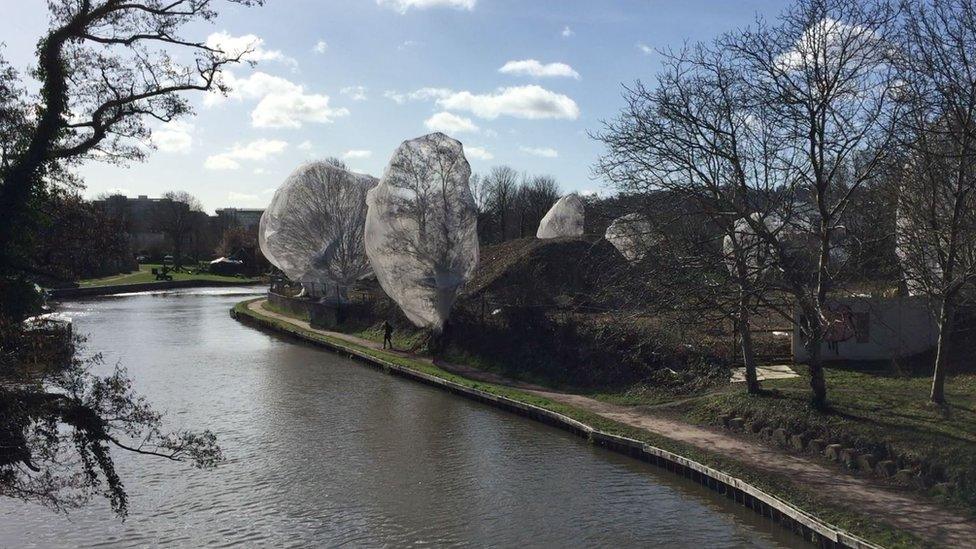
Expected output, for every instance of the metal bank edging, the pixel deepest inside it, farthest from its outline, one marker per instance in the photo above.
(806, 525)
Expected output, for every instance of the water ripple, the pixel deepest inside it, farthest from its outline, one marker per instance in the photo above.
(323, 452)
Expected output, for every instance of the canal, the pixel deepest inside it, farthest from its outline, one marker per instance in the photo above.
(322, 451)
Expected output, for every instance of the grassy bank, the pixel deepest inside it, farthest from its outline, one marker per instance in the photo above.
(874, 413)
(817, 503)
(144, 275)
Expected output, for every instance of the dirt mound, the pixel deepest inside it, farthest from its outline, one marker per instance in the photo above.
(529, 271)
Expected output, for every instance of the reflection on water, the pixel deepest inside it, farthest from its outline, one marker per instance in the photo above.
(322, 451)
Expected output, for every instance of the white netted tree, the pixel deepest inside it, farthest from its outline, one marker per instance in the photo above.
(421, 229)
(313, 228)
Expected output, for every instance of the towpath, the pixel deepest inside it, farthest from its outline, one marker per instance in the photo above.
(901, 510)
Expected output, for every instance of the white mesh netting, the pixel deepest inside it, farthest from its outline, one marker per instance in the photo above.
(753, 249)
(313, 228)
(797, 239)
(421, 228)
(564, 219)
(631, 235)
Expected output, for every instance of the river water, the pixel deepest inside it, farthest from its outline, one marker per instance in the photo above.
(322, 451)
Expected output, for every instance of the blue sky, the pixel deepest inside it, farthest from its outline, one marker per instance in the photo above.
(354, 78)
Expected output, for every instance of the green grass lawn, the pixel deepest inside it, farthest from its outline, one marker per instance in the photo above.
(871, 412)
(144, 274)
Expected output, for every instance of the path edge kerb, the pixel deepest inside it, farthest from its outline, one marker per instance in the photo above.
(736, 489)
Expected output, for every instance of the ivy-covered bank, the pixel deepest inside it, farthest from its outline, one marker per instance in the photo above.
(748, 483)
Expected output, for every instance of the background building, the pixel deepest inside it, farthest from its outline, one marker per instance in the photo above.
(153, 225)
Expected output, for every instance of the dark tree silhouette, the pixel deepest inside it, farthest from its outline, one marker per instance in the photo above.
(105, 70)
(176, 218)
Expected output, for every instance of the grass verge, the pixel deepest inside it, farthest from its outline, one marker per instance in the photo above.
(781, 486)
(144, 275)
(874, 413)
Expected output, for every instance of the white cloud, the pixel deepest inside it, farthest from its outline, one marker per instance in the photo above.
(221, 162)
(395, 96)
(423, 94)
(529, 102)
(450, 123)
(825, 43)
(478, 153)
(356, 93)
(260, 171)
(531, 67)
(250, 47)
(305, 145)
(281, 102)
(291, 110)
(255, 86)
(430, 93)
(544, 152)
(644, 48)
(567, 32)
(258, 150)
(356, 154)
(407, 44)
(320, 47)
(403, 6)
(174, 137)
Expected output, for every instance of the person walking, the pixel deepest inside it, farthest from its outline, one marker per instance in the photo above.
(387, 334)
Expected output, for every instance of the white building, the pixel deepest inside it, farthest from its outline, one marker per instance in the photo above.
(870, 328)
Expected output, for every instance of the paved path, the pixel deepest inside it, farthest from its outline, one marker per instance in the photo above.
(776, 371)
(900, 509)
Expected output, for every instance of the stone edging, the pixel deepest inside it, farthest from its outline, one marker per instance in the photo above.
(802, 523)
(91, 291)
(882, 465)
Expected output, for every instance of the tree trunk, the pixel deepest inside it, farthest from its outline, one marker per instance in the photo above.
(817, 382)
(748, 353)
(938, 376)
(814, 346)
(177, 254)
(25, 175)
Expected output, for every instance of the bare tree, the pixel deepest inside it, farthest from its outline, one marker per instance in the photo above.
(502, 185)
(313, 227)
(825, 78)
(936, 228)
(479, 191)
(696, 137)
(769, 134)
(533, 199)
(176, 217)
